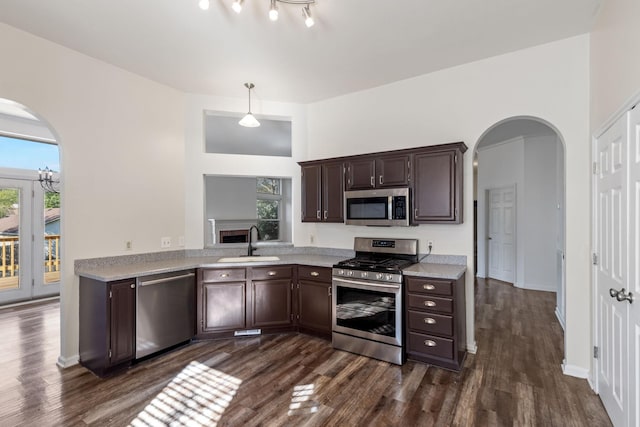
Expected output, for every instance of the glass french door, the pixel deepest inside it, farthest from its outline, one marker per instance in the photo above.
(29, 260)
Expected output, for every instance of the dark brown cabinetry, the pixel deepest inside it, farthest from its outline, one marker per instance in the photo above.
(271, 296)
(314, 300)
(221, 301)
(322, 192)
(437, 186)
(435, 321)
(386, 171)
(107, 324)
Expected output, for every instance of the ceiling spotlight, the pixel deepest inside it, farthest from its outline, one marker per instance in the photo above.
(273, 11)
(308, 19)
(249, 121)
(237, 5)
(204, 4)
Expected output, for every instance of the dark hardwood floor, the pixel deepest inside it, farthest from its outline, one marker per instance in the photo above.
(514, 379)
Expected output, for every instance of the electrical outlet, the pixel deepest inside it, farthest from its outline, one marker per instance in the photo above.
(128, 245)
(312, 238)
(181, 241)
(165, 242)
(430, 244)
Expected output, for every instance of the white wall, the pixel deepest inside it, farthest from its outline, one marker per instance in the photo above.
(501, 165)
(615, 63)
(122, 154)
(200, 163)
(460, 103)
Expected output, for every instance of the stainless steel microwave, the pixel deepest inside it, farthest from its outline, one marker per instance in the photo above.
(383, 207)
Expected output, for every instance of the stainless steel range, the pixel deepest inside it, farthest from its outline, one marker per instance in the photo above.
(367, 298)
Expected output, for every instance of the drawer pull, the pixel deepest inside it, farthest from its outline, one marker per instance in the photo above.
(315, 273)
(430, 343)
(272, 273)
(430, 303)
(428, 287)
(224, 275)
(429, 320)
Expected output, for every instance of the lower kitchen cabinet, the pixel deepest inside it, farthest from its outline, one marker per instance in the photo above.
(107, 324)
(221, 301)
(314, 300)
(271, 297)
(435, 319)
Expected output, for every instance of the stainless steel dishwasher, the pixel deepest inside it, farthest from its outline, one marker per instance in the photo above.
(165, 311)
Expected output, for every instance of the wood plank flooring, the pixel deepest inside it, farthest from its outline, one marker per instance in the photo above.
(296, 380)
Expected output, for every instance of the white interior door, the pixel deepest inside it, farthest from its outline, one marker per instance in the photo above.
(634, 265)
(611, 247)
(15, 242)
(501, 233)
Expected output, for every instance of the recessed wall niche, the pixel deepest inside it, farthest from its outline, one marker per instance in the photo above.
(223, 135)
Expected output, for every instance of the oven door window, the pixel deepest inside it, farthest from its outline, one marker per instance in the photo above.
(367, 311)
(367, 208)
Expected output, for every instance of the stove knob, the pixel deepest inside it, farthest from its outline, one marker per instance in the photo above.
(341, 272)
(349, 273)
(379, 276)
(364, 275)
(389, 277)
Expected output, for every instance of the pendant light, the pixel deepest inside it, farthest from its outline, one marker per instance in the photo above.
(249, 121)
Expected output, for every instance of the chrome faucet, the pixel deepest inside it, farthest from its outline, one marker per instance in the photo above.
(250, 249)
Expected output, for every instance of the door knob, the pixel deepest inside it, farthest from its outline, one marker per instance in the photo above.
(623, 296)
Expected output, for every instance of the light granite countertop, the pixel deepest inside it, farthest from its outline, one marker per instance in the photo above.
(448, 267)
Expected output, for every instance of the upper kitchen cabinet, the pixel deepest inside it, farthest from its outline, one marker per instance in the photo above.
(322, 191)
(381, 171)
(437, 184)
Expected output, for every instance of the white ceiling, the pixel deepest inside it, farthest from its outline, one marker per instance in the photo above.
(355, 44)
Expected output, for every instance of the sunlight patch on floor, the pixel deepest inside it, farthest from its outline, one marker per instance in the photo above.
(197, 396)
(301, 400)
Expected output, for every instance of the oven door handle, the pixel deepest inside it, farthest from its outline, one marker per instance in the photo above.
(367, 284)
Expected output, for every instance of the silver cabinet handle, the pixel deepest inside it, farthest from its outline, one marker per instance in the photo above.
(272, 273)
(325, 214)
(428, 287)
(430, 303)
(380, 179)
(429, 320)
(373, 183)
(329, 291)
(415, 213)
(430, 343)
(224, 275)
(318, 214)
(133, 286)
(314, 274)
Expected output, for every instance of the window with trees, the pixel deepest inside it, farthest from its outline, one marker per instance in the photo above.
(268, 207)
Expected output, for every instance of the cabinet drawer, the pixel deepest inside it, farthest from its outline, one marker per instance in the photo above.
(320, 274)
(429, 286)
(430, 323)
(275, 272)
(429, 345)
(222, 274)
(426, 302)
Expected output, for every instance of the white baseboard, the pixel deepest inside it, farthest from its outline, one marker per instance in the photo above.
(560, 318)
(592, 384)
(66, 362)
(536, 287)
(575, 371)
(472, 347)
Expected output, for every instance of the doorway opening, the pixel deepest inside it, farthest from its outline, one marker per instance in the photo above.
(30, 251)
(520, 216)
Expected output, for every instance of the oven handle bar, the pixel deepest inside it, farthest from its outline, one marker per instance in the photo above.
(363, 283)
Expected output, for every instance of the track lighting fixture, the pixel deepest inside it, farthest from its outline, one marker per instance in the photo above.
(249, 121)
(273, 8)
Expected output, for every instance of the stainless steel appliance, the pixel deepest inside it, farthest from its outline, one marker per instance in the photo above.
(165, 311)
(377, 207)
(367, 298)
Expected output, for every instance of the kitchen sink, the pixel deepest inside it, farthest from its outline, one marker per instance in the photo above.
(249, 258)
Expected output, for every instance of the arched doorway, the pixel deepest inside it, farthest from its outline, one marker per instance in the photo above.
(520, 206)
(29, 206)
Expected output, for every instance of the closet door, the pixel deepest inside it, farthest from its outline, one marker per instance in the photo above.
(610, 194)
(634, 263)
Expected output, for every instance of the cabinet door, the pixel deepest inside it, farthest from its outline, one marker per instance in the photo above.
(223, 306)
(271, 303)
(437, 188)
(314, 306)
(392, 171)
(311, 193)
(332, 192)
(122, 313)
(361, 174)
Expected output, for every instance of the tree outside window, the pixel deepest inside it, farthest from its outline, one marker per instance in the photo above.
(268, 203)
